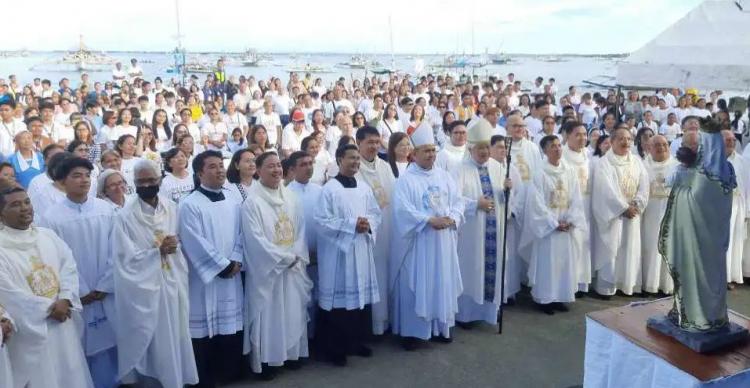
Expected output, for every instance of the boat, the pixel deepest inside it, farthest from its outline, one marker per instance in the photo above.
(355, 62)
(83, 59)
(309, 68)
(601, 81)
(252, 58)
(553, 59)
(499, 59)
(452, 62)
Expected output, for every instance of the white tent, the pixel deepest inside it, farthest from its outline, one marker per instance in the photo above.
(709, 48)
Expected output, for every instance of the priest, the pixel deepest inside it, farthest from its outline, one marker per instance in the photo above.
(554, 228)
(526, 158)
(302, 168)
(273, 229)
(482, 184)
(151, 284)
(660, 166)
(39, 288)
(740, 210)
(209, 230)
(452, 155)
(426, 280)
(85, 224)
(618, 198)
(575, 156)
(348, 217)
(377, 174)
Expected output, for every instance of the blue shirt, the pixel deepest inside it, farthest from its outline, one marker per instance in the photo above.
(24, 177)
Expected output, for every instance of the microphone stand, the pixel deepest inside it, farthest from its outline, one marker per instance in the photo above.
(509, 143)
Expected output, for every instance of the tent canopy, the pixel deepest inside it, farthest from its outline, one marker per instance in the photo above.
(709, 48)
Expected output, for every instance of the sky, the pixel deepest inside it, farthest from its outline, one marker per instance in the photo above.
(344, 26)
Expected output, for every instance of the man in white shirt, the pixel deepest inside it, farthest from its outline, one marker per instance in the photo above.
(135, 71)
(534, 120)
(670, 129)
(271, 121)
(9, 127)
(291, 138)
(118, 74)
(243, 96)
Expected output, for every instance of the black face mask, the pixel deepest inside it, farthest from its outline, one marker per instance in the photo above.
(147, 192)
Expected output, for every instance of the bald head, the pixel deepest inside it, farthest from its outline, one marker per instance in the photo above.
(659, 148)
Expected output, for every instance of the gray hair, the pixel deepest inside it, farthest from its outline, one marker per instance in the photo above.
(145, 165)
(101, 181)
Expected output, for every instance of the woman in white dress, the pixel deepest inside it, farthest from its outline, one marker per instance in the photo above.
(124, 125)
(241, 173)
(126, 147)
(178, 182)
(399, 149)
(161, 129)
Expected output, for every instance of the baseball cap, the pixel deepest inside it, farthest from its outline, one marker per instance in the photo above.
(298, 116)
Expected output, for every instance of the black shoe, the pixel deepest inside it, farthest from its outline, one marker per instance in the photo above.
(409, 344)
(602, 297)
(441, 339)
(293, 364)
(337, 359)
(268, 373)
(580, 294)
(510, 302)
(560, 307)
(363, 351)
(546, 308)
(465, 325)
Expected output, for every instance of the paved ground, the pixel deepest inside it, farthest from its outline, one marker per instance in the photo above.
(535, 351)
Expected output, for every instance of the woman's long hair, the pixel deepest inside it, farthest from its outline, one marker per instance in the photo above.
(392, 144)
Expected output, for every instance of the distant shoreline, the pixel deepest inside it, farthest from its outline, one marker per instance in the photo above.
(523, 55)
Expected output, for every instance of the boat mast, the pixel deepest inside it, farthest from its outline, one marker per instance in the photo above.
(390, 29)
(179, 57)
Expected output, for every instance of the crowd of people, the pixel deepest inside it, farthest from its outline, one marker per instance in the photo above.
(182, 233)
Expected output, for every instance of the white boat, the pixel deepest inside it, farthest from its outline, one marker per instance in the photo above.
(356, 62)
(309, 68)
(251, 58)
(83, 59)
(499, 59)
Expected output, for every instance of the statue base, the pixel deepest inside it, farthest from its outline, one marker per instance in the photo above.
(701, 342)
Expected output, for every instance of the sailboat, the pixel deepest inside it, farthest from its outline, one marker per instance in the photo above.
(382, 69)
(83, 59)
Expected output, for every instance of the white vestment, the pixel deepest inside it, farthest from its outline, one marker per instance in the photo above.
(378, 175)
(211, 238)
(347, 277)
(740, 215)
(450, 157)
(527, 159)
(6, 374)
(273, 227)
(474, 304)
(656, 275)
(554, 196)
(87, 229)
(36, 269)
(151, 296)
(426, 279)
(618, 182)
(581, 164)
(44, 196)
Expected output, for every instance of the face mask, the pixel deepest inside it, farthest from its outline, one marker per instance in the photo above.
(147, 192)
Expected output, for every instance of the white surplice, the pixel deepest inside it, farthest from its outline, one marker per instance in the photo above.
(581, 164)
(347, 277)
(87, 229)
(151, 296)
(655, 274)
(527, 159)
(554, 196)
(273, 227)
(450, 157)
(378, 175)
(740, 215)
(6, 373)
(472, 305)
(36, 269)
(211, 238)
(618, 182)
(44, 196)
(426, 278)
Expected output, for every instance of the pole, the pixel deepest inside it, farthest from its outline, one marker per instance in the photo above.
(505, 240)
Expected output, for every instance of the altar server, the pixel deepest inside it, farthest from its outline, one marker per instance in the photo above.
(85, 224)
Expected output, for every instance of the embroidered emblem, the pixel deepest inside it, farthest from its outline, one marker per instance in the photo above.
(559, 198)
(43, 279)
(283, 230)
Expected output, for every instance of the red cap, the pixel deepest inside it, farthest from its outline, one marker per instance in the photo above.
(298, 116)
